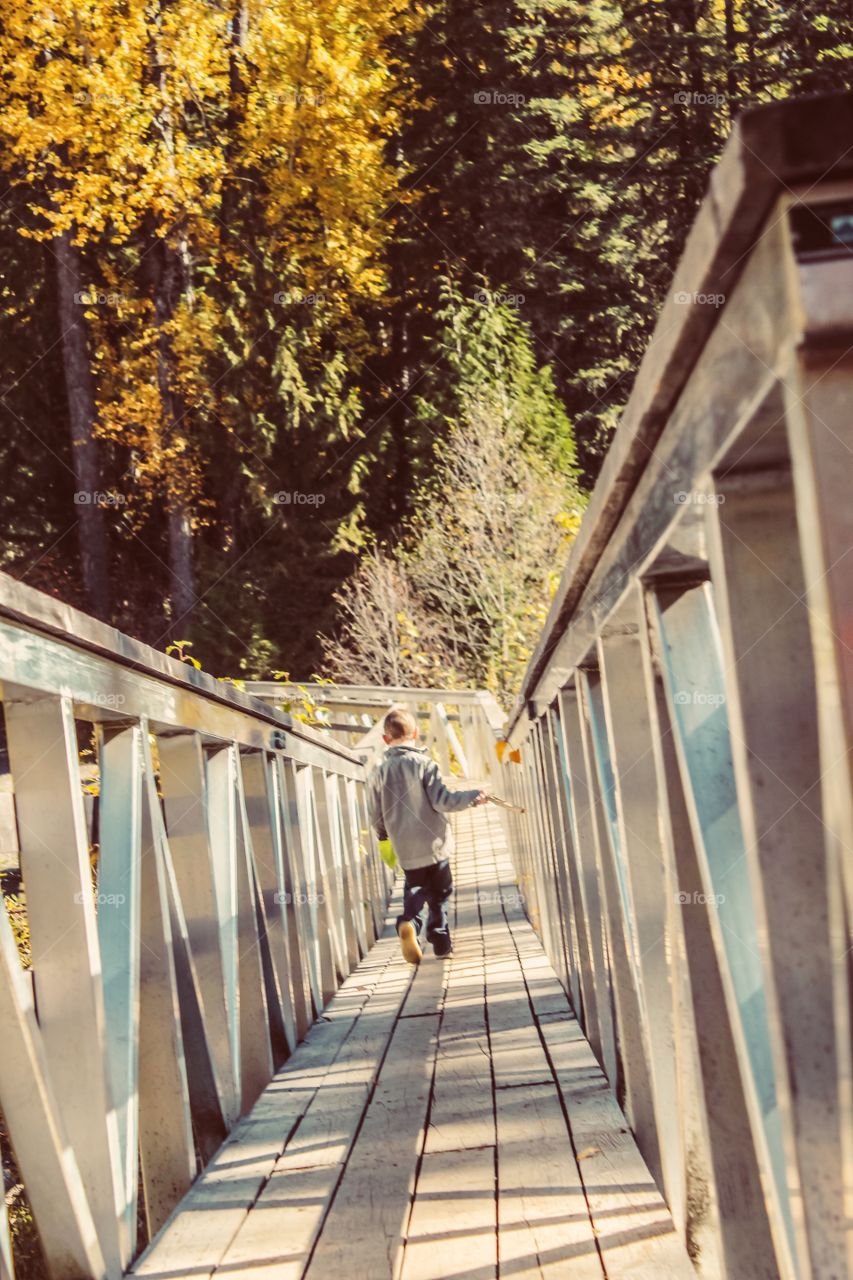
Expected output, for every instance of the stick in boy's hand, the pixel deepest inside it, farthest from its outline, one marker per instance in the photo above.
(505, 804)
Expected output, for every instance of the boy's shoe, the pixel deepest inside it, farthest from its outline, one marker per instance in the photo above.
(442, 946)
(409, 942)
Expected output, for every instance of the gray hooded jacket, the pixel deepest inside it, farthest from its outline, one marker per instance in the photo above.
(408, 801)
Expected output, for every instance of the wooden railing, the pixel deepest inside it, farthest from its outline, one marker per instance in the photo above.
(685, 723)
(460, 727)
(189, 900)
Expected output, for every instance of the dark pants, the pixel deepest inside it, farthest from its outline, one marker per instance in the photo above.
(428, 887)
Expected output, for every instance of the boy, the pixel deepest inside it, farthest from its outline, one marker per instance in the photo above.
(408, 800)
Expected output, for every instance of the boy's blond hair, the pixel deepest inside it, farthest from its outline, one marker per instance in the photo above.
(399, 723)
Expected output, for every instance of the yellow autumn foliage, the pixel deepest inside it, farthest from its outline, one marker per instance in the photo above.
(126, 122)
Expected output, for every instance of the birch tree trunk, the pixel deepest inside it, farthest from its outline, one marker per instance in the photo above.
(169, 287)
(80, 391)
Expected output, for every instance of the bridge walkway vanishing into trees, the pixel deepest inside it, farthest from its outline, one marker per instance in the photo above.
(205, 1029)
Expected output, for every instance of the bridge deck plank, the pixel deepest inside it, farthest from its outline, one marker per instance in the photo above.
(444, 1122)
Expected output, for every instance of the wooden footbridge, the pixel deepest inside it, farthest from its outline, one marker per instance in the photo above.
(432, 1123)
(637, 1061)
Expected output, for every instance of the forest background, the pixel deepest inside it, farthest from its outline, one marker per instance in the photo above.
(317, 317)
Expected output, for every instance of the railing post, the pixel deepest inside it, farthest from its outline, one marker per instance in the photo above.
(574, 921)
(238, 924)
(520, 848)
(770, 684)
(598, 1001)
(634, 1064)
(120, 821)
(452, 741)
(186, 800)
(45, 1157)
(256, 1058)
(469, 733)
(220, 812)
(689, 645)
(296, 906)
(437, 738)
(379, 877)
(320, 943)
(584, 997)
(329, 867)
(54, 842)
(729, 1206)
(564, 919)
(166, 1151)
(817, 412)
(344, 907)
(818, 423)
(355, 870)
(639, 837)
(264, 825)
(536, 845)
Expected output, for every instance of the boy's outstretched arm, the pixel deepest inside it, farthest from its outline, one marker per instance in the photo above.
(374, 808)
(444, 800)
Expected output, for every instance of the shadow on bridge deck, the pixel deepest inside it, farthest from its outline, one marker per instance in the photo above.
(444, 1122)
